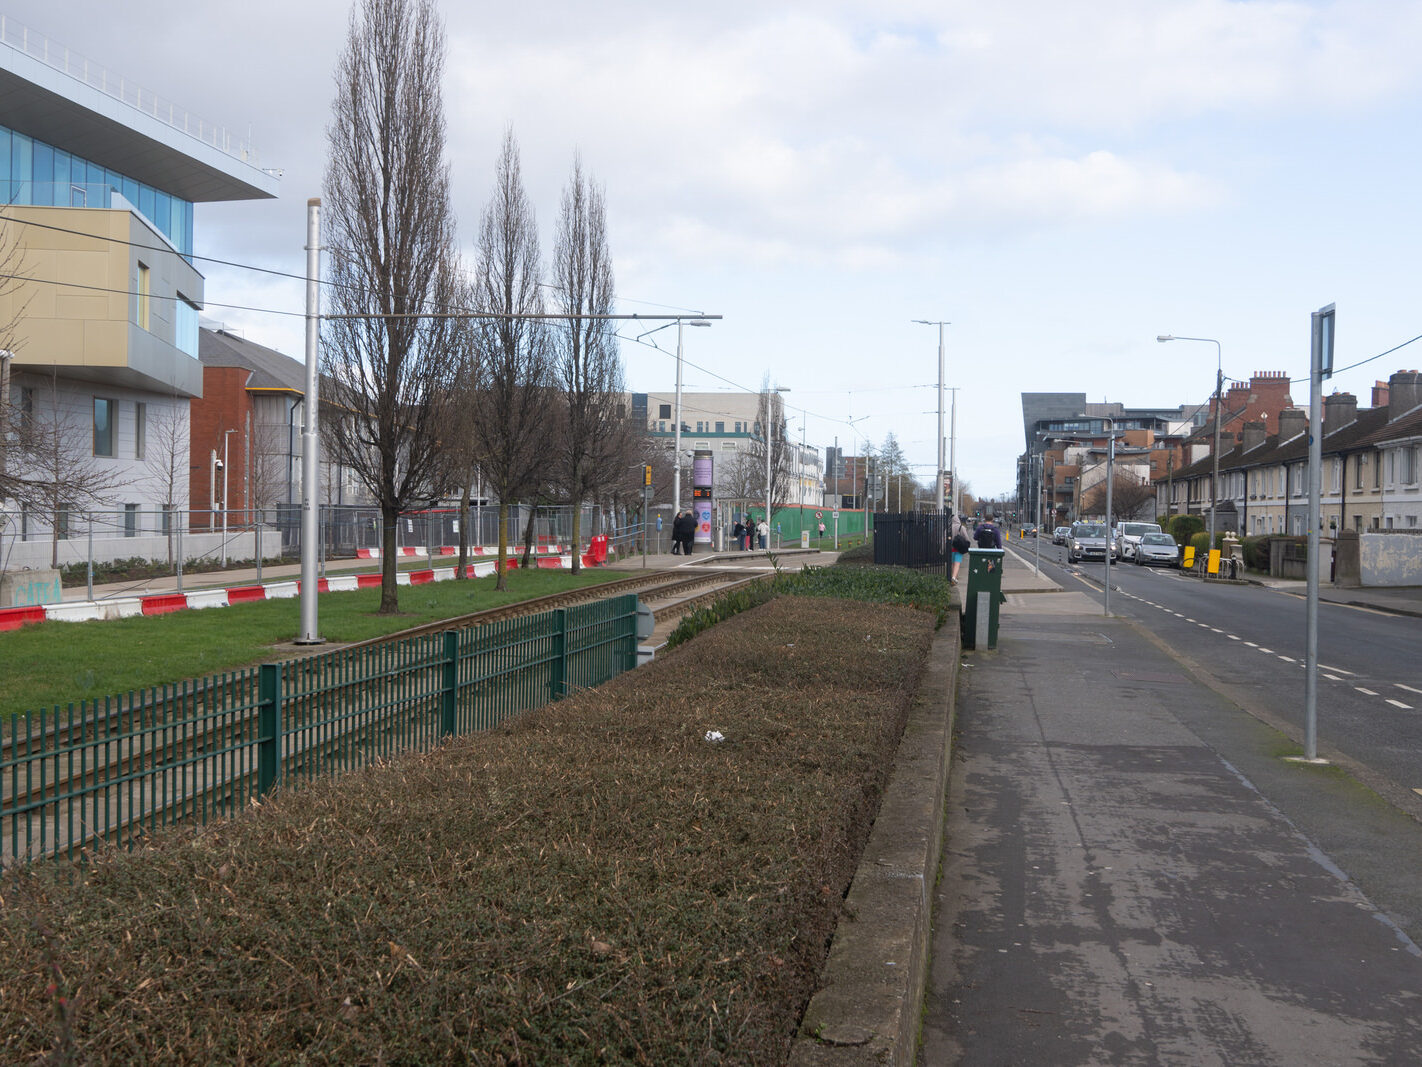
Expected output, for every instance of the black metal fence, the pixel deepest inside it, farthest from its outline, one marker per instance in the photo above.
(913, 539)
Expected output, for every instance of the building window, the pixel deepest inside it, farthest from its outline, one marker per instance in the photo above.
(1358, 472)
(661, 427)
(1409, 465)
(185, 325)
(130, 520)
(728, 446)
(720, 427)
(1377, 470)
(26, 429)
(104, 410)
(61, 523)
(140, 430)
(664, 411)
(167, 519)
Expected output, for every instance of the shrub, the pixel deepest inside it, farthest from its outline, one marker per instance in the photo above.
(1184, 527)
(1256, 553)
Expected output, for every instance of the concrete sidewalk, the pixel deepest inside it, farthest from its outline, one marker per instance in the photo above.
(1131, 874)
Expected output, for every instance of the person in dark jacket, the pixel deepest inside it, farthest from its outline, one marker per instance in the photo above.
(987, 534)
(683, 531)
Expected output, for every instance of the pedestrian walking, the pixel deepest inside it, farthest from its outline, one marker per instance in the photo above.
(738, 531)
(987, 534)
(961, 547)
(764, 530)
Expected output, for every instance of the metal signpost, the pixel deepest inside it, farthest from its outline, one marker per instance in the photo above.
(1320, 367)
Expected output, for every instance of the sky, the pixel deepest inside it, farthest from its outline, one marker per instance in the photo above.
(1060, 182)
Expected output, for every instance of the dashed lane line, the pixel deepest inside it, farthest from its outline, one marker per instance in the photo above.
(1365, 692)
(1398, 704)
(1408, 688)
(1335, 670)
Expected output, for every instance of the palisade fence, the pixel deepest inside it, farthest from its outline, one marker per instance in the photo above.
(194, 538)
(913, 539)
(115, 769)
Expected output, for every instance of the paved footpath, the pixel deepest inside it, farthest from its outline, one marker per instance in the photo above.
(1121, 882)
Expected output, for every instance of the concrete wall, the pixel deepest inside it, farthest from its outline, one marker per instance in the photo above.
(22, 589)
(1391, 558)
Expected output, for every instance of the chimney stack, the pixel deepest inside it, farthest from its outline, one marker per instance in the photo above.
(1255, 434)
(1404, 392)
(1338, 411)
(1292, 422)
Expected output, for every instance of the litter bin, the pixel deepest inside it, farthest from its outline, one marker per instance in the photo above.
(984, 596)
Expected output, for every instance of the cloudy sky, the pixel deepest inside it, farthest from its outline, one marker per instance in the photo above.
(1062, 182)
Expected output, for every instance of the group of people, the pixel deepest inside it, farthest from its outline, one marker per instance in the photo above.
(745, 533)
(986, 534)
(683, 533)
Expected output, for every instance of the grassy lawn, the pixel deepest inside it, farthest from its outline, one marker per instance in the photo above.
(54, 663)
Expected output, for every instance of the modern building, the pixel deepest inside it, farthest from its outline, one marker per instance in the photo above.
(100, 179)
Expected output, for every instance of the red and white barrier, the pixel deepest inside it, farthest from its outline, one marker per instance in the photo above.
(167, 603)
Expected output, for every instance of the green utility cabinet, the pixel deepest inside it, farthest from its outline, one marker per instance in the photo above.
(984, 596)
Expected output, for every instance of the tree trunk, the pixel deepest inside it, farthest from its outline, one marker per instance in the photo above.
(528, 536)
(389, 597)
(502, 581)
(577, 536)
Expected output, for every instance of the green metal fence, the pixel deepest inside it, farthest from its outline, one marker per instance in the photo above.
(118, 768)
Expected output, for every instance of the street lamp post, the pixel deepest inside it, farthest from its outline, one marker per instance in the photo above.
(676, 427)
(1219, 389)
(941, 363)
(225, 437)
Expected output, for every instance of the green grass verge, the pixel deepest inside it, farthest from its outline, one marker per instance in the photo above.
(54, 663)
(595, 883)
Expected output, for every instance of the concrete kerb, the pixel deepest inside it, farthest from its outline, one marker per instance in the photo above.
(870, 1003)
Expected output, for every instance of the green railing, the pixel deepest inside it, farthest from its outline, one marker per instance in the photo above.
(115, 769)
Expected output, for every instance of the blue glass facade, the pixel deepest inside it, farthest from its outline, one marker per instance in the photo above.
(32, 172)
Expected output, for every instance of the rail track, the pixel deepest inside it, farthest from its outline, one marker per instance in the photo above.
(184, 751)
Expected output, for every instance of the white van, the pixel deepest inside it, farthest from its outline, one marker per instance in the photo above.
(1128, 535)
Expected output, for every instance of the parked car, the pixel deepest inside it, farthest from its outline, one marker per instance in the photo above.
(1059, 535)
(1089, 540)
(1157, 548)
(1029, 530)
(1129, 534)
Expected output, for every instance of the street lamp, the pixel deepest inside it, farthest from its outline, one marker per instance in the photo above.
(940, 325)
(769, 443)
(1219, 388)
(225, 434)
(676, 429)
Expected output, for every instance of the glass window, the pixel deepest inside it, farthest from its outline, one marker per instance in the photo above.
(61, 522)
(130, 520)
(720, 427)
(140, 429)
(186, 325)
(664, 411)
(4, 153)
(44, 174)
(103, 426)
(147, 201)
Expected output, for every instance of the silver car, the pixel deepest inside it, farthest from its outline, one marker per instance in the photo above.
(1089, 540)
(1157, 548)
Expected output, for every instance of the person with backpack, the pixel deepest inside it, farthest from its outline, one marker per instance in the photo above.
(987, 534)
(961, 546)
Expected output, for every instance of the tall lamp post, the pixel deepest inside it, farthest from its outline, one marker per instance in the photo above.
(225, 435)
(1219, 388)
(676, 428)
(940, 325)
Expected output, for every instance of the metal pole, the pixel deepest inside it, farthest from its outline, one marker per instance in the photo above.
(676, 431)
(953, 449)
(1315, 520)
(226, 466)
(310, 519)
(941, 367)
(1110, 462)
(1037, 518)
(1215, 476)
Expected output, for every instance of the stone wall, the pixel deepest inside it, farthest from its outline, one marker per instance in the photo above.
(1391, 558)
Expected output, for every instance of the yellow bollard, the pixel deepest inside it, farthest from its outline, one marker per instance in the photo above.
(1189, 560)
(1212, 565)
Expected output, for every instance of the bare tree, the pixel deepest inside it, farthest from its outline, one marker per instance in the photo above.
(57, 473)
(14, 299)
(391, 234)
(587, 363)
(770, 416)
(167, 457)
(1130, 496)
(510, 399)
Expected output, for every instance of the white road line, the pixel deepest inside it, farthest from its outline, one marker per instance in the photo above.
(1232, 637)
(1251, 644)
(1365, 692)
(1333, 677)
(1335, 670)
(1287, 659)
(1266, 651)
(1213, 630)
(1187, 618)
(1408, 688)
(1398, 704)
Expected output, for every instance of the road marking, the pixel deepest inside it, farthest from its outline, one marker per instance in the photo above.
(1232, 637)
(1398, 704)
(1287, 659)
(1333, 677)
(1365, 692)
(1187, 618)
(1266, 651)
(1408, 688)
(1335, 670)
(1251, 644)
(1213, 630)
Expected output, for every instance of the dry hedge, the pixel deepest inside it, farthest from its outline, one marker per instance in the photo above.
(596, 882)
